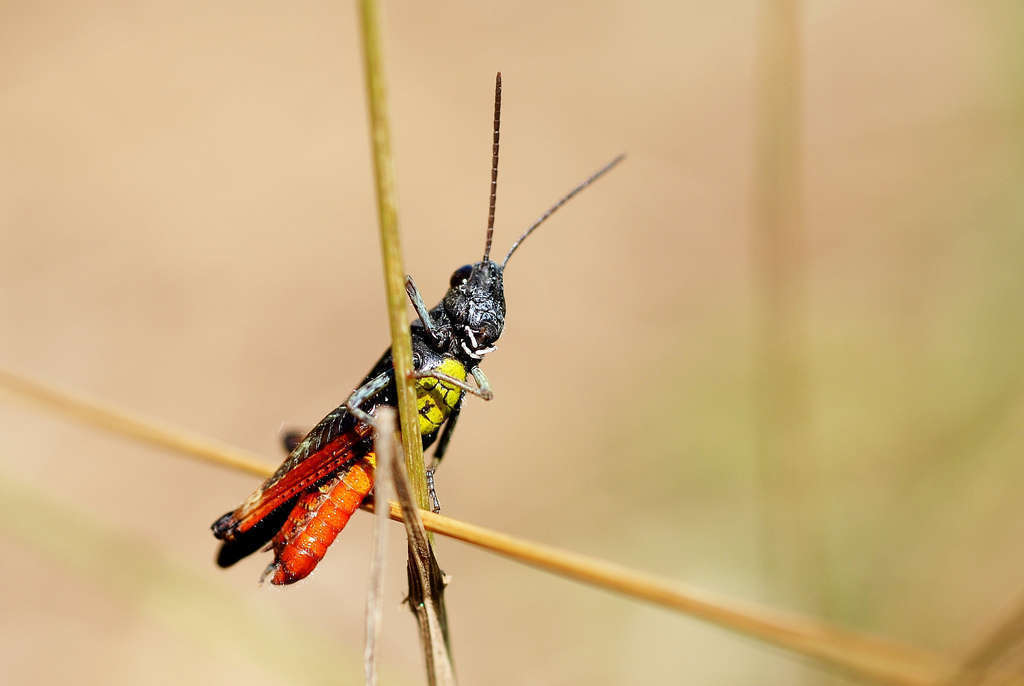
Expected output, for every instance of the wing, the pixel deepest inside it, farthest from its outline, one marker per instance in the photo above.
(336, 440)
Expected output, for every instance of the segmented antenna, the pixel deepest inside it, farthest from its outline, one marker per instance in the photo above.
(554, 208)
(494, 167)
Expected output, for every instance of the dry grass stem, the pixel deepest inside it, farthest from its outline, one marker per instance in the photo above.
(881, 660)
(426, 583)
(429, 611)
(150, 431)
(394, 272)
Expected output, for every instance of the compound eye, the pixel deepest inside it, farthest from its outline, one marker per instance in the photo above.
(461, 274)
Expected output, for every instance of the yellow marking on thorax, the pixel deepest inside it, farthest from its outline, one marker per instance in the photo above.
(435, 399)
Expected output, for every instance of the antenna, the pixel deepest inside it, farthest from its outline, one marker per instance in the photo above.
(494, 168)
(568, 196)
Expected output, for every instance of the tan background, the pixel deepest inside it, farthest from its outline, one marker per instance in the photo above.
(188, 230)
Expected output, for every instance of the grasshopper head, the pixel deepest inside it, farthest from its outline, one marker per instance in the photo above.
(475, 302)
(475, 305)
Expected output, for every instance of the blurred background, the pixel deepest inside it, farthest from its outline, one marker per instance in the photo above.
(776, 354)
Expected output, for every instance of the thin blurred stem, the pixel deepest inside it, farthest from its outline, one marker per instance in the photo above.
(996, 643)
(383, 487)
(881, 660)
(788, 479)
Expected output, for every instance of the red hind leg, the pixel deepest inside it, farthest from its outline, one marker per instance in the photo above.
(316, 520)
